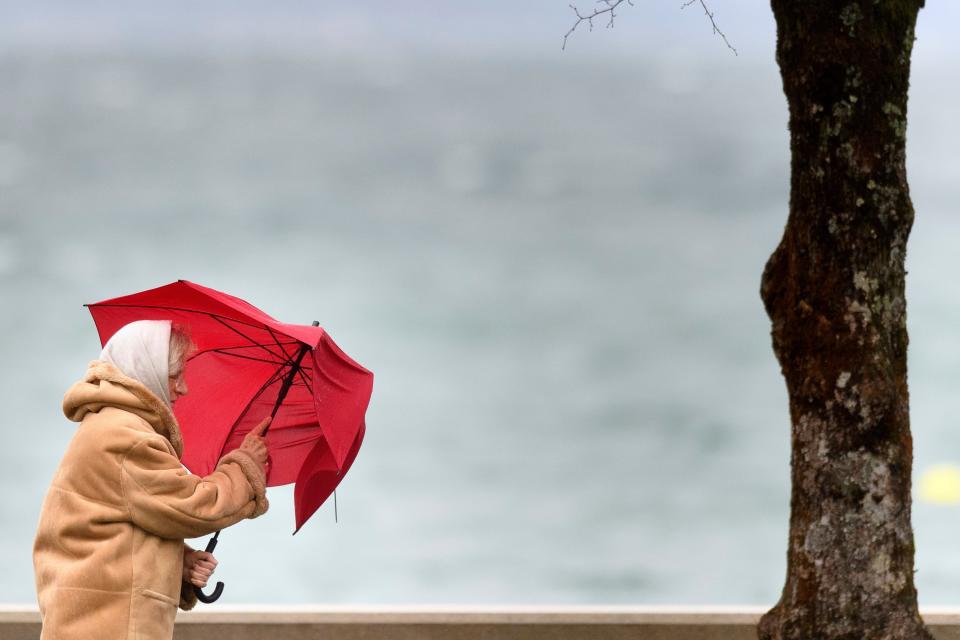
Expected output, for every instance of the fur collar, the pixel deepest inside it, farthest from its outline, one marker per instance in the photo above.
(99, 389)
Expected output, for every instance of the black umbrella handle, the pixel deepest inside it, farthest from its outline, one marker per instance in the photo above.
(218, 590)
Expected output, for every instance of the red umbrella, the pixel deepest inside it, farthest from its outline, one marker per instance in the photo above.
(249, 365)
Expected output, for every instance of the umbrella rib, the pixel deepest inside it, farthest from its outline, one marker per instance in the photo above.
(298, 369)
(306, 374)
(289, 356)
(251, 340)
(248, 346)
(219, 318)
(166, 308)
(237, 355)
(225, 350)
(305, 383)
(274, 377)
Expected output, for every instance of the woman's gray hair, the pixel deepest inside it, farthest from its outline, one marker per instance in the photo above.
(181, 346)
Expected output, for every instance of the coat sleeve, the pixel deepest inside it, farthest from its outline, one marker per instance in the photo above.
(168, 501)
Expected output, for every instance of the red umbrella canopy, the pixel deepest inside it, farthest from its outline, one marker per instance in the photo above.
(243, 361)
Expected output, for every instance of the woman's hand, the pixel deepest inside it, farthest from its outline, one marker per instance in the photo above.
(254, 444)
(198, 566)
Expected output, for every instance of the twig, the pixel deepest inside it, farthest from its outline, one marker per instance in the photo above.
(609, 6)
(713, 23)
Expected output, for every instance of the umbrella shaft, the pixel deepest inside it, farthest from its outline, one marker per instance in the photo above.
(287, 381)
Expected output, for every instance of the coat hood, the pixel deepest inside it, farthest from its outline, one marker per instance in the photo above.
(104, 385)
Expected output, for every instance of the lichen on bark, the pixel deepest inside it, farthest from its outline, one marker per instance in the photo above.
(834, 291)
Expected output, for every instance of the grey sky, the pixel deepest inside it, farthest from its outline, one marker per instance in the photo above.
(497, 25)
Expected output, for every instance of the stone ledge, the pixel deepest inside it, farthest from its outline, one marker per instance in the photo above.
(442, 614)
(464, 622)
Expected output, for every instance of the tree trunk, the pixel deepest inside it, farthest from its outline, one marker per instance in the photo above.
(834, 291)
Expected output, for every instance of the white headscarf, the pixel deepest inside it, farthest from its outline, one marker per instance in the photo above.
(141, 351)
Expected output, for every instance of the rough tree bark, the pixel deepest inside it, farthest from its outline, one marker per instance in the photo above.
(834, 291)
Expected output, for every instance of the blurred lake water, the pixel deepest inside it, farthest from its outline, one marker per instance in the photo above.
(552, 268)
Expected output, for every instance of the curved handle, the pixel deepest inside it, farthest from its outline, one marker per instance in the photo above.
(218, 590)
(213, 597)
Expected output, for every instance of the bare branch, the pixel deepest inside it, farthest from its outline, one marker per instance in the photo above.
(713, 23)
(610, 6)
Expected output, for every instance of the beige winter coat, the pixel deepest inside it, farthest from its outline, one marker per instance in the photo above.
(108, 555)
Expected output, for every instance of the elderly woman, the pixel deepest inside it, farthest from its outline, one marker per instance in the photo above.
(109, 555)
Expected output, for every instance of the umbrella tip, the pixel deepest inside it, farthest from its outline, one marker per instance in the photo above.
(316, 323)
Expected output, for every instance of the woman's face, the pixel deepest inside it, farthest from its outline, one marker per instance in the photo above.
(176, 385)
